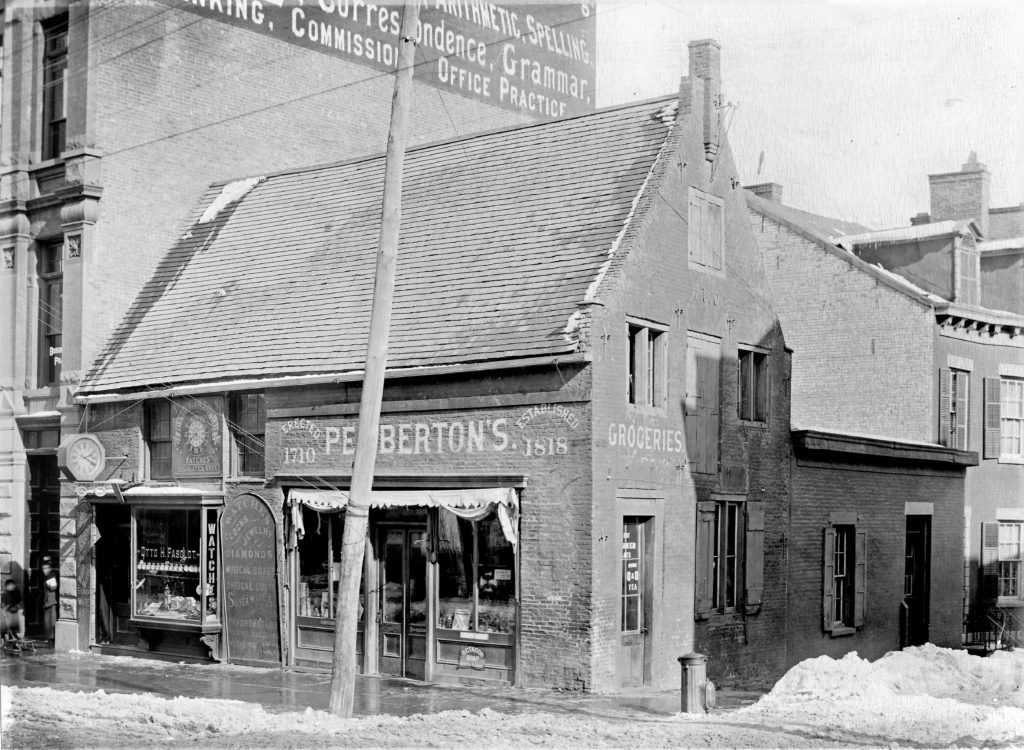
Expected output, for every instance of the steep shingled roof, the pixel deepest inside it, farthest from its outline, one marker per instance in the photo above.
(502, 234)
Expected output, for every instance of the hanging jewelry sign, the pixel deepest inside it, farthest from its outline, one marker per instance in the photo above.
(196, 438)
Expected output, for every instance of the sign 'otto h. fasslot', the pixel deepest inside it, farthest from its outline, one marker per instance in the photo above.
(538, 59)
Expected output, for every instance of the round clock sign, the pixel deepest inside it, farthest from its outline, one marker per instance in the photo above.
(82, 456)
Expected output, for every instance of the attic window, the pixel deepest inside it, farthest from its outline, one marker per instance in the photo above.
(706, 241)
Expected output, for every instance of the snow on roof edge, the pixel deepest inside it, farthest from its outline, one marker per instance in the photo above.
(230, 193)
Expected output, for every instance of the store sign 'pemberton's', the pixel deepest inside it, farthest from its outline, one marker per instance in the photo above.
(538, 59)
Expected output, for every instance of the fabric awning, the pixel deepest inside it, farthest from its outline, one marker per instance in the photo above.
(334, 500)
(472, 505)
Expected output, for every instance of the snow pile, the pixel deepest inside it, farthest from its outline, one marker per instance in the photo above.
(927, 695)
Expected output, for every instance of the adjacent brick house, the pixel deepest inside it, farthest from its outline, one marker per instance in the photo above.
(583, 466)
(895, 350)
(116, 118)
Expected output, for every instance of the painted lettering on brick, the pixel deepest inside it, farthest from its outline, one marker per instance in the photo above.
(643, 437)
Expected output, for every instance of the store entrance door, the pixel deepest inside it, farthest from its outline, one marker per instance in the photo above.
(916, 581)
(113, 575)
(403, 601)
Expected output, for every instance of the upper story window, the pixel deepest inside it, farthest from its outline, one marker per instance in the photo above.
(954, 400)
(158, 438)
(51, 304)
(707, 231)
(248, 420)
(1004, 419)
(647, 369)
(968, 280)
(753, 385)
(54, 93)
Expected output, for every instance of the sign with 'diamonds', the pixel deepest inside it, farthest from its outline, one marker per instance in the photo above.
(249, 590)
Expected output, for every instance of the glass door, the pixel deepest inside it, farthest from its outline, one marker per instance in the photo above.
(403, 602)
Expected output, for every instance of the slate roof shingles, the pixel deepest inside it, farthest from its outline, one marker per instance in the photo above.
(502, 233)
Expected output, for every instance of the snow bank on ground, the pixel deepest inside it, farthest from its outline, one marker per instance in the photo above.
(928, 695)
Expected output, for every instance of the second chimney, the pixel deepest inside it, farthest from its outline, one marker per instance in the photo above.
(706, 64)
(961, 195)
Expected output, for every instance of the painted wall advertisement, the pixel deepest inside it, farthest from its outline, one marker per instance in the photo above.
(535, 58)
(196, 438)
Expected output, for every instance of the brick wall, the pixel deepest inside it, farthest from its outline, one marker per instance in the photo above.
(876, 491)
(862, 351)
(650, 278)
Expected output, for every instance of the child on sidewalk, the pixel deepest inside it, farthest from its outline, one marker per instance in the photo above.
(14, 611)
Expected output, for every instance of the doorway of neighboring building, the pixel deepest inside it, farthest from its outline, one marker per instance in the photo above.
(44, 532)
(916, 581)
(633, 659)
(402, 616)
(112, 566)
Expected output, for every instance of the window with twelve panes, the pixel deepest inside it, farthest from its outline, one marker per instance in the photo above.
(158, 438)
(845, 575)
(248, 420)
(730, 556)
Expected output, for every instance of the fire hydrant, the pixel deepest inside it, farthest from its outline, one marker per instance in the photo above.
(697, 693)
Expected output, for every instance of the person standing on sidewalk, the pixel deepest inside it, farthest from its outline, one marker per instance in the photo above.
(51, 583)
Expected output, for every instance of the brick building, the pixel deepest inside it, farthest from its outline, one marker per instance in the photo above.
(896, 353)
(116, 118)
(584, 446)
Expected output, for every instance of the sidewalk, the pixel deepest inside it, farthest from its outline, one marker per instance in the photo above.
(295, 690)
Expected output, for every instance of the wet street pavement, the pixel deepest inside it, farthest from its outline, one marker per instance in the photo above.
(295, 690)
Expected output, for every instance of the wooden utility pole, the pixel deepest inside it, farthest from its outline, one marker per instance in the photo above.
(357, 512)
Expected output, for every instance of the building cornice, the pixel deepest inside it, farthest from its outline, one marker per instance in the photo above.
(821, 441)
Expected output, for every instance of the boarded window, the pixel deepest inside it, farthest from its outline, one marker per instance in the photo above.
(706, 236)
(703, 360)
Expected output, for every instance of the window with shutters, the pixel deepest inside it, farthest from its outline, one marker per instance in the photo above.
(753, 385)
(647, 370)
(248, 420)
(706, 237)
(845, 576)
(701, 405)
(1007, 405)
(954, 401)
(730, 556)
(1001, 557)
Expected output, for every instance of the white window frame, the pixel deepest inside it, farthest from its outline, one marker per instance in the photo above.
(647, 364)
(750, 363)
(1010, 557)
(1011, 393)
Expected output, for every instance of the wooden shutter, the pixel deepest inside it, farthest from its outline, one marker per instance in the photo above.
(694, 449)
(945, 405)
(960, 395)
(695, 244)
(860, 579)
(715, 233)
(992, 426)
(705, 550)
(708, 378)
(753, 574)
(990, 561)
(828, 568)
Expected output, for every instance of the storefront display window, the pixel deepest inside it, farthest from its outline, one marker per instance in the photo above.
(170, 561)
(320, 565)
(476, 576)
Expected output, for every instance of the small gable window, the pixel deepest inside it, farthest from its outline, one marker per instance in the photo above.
(706, 245)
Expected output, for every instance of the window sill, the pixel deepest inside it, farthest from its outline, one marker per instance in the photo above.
(1011, 459)
(754, 424)
(653, 411)
(840, 631)
(1009, 602)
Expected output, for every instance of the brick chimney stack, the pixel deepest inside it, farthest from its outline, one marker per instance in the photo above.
(962, 195)
(706, 64)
